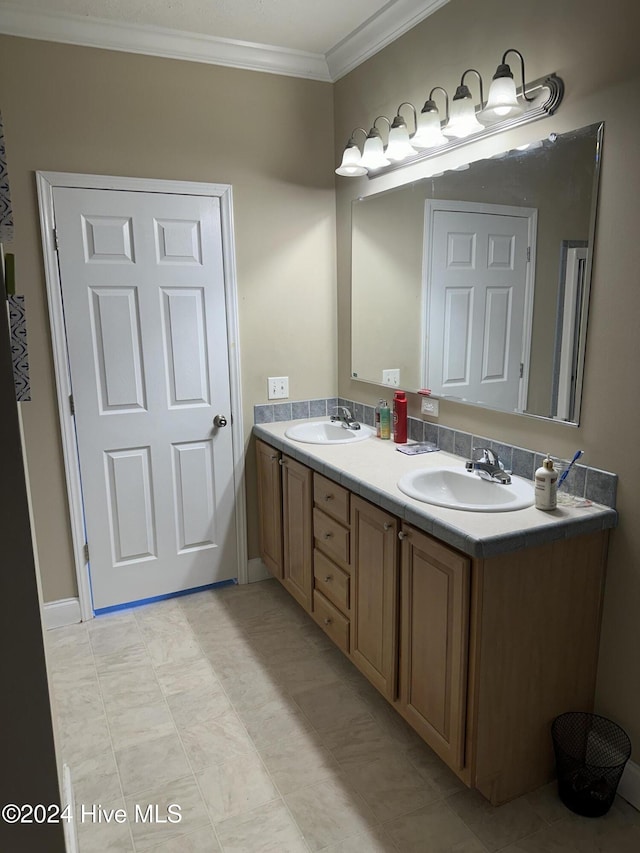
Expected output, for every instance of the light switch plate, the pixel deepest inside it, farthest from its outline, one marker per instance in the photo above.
(278, 387)
(430, 407)
(391, 377)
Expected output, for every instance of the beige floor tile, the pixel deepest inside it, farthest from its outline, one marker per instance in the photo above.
(376, 840)
(432, 829)
(135, 656)
(201, 841)
(308, 672)
(178, 807)
(81, 738)
(330, 811)
(154, 762)
(547, 804)
(100, 830)
(198, 705)
(96, 779)
(250, 687)
(274, 721)
(434, 770)
(298, 761)
(332, 706)
(82, 702)
(129, 689)
(236, 787)
(391, 786)
(109, 637)
(361, 740)
(132, 726)
(65, 679)
(232, 655)
(68, 647)
(178, 677)
(585, 835)
(495, 827)
(216, 741)
(266, 829)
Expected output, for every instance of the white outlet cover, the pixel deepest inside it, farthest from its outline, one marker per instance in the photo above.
(391, 377)
(278, 387)
(430, 407)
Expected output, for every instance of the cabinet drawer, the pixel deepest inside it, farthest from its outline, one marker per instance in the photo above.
(331, 498)
(331, 537)
(331, 581)
(332, 622)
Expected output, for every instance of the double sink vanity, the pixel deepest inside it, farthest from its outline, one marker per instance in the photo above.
(477, 620)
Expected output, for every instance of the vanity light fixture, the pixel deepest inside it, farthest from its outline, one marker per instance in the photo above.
(463, 121)
(503, 99)
(399, 146)
(351, 165)
(373, 156)
(506, 108)
(429, 130)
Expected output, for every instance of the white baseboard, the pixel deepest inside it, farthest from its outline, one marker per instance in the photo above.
(257, 571)
(57, 614)
(629, 787)
(68, 800)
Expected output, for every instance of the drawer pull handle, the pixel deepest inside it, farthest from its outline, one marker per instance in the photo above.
(328, 621)
(327, 535)
(402, 535)
(328, 497)
(388, 525)
(328, 578)
(282, 461)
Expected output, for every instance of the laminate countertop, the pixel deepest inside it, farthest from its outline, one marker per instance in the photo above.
(372, 468)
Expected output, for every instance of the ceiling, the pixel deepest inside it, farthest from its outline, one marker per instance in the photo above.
(315, 39)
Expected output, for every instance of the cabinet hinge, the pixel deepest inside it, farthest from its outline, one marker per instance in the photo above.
(528, 253)
(521, 370)
(55, 239)
(86, 552)
(72, 405)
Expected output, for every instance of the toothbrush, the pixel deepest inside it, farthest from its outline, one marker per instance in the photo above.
(565, 473)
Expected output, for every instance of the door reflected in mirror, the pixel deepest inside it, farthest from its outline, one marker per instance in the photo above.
(475, 283)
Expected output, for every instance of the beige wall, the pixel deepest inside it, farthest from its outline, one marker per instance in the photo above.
(80, 110)
(595, 51)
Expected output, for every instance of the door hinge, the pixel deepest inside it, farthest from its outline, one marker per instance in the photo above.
(528, 253)
(521, 370)
(55, 239)
(72, 405)
(86, 552)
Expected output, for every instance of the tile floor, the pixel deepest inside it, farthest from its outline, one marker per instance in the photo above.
(233, 705)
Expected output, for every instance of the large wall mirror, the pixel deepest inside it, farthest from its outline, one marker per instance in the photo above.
(475, 283)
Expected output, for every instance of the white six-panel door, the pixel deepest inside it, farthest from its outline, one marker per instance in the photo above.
(144, 308)
(477, 270)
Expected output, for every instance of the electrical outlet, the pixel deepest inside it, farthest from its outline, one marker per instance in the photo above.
(430, 407)
(391, 377)
(278, 387)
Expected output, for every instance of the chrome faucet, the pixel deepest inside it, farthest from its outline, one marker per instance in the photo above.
(345, 417)
(488, 466)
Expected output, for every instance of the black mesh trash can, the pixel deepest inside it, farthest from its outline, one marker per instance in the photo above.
(591, 753)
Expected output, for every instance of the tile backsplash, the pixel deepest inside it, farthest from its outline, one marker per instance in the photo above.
(583, 481)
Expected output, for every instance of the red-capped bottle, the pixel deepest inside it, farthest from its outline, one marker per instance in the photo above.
(400, 417)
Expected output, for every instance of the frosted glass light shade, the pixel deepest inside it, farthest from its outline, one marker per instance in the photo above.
(503, 101)
(462, 121)
(399, 147)
(351, 166)
(428, 133)
(373, 153)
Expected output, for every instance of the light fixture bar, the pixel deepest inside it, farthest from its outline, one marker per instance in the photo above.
(546, 95)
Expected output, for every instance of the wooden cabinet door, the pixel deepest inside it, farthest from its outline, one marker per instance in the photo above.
(270, 507)
(434, 643)
(374, 579)
(297, 493)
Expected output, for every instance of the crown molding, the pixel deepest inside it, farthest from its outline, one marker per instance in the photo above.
(381, 29)
(393, 21)
(158, 41)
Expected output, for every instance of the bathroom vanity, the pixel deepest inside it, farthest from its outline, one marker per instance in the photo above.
(478, 627)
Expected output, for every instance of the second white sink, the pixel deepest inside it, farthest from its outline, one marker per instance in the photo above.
(459, 489)
(327, 432)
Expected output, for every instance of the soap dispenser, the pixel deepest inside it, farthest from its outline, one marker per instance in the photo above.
(546, 485)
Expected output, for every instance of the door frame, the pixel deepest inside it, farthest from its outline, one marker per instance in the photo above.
(46, 182)
(450, 206)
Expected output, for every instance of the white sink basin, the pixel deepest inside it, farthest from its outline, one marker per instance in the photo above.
(327, 432)
(459, 489)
